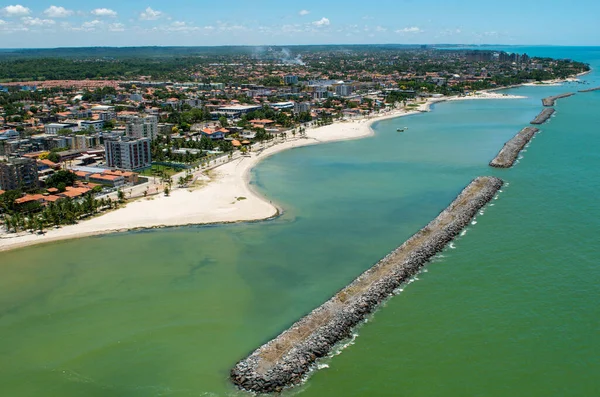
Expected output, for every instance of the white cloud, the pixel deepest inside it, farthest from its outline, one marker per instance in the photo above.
(322, 22)
(303, 13)
(381, 29)
(15, 11)
(116, 27)
(104, 12)
(412, 29)
(90, 25)
(150, 15)
(57, 12)
(29, 21)
(2, 22)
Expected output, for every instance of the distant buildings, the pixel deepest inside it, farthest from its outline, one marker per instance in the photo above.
(237, 111)
(96, 125)
(290, 79)
(128, 154)
(19, 173)
(343, 90)
(301, 107)
(53, 128)
(142, 127)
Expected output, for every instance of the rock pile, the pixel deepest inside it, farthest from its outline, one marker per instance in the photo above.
(287, 359)
(552, 99)
(509, 152)
(543, 116)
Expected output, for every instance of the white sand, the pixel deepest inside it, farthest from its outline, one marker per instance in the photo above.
(485, 95)
(216, 202)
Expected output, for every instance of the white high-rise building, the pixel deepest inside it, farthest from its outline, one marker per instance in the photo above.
(343, 90)
(128, 154)
(143, 127)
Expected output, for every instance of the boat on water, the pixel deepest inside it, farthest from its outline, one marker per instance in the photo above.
(401, 129)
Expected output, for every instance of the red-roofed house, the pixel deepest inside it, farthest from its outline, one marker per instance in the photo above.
(214, 133)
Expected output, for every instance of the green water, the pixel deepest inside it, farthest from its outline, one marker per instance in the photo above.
(512, 310)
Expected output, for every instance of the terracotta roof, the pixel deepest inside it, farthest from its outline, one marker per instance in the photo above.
(49, 163)
(51, 198)
(119, 173)
(236, 143)
(29, 198)
(2, 192)
(105, 177)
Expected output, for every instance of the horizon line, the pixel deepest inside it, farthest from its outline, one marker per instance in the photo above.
(294, 45)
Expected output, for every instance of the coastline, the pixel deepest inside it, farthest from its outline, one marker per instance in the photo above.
(227, 197)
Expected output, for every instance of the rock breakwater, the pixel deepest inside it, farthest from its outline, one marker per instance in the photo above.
(591, 89)
(287, 359)
(509, 152)
(551, 100)
(543, 116)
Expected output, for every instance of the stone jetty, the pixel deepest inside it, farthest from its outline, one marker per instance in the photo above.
(543, 116)
(508, 154)
(591, 89)
(551, 100)
(288, 359)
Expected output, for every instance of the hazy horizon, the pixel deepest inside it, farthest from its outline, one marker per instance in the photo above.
(68, 23)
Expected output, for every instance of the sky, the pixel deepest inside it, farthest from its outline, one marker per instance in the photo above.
(68, 23)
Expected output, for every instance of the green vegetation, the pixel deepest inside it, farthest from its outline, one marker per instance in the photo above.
(61, 179)
(33, 217)
(157, 170)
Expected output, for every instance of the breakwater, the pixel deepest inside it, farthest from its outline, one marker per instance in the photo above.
(509, 152)
(551, 100)
(543, 116)
(287, 359)
(591, 89)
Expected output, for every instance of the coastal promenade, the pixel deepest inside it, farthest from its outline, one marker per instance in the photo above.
(288, 359)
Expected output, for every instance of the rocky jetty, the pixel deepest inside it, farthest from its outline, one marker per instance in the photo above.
(551, 100)
(591, 89)
(509, 152)
(286, 360)
(543, 116)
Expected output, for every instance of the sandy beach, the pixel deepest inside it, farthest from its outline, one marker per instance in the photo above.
(224, 197)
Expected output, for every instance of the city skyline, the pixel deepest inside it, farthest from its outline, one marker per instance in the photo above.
(38, 24)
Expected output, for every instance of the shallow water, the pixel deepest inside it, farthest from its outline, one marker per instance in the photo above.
(512, 310)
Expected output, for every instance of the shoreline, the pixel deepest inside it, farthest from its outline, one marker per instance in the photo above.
(228, 197)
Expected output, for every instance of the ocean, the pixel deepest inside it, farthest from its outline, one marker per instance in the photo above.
(509, 309)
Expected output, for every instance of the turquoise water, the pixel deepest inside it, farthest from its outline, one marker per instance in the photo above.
(511, 311)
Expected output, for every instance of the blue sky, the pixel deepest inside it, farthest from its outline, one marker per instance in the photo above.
(269, 22)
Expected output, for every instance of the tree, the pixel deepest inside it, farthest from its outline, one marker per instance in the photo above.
(120, 196)
(223, 121)
(61, 177)
(226, 146)
(108, 125)
(54, 157)
(167, 191)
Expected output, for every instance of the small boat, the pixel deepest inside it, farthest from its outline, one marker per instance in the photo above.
(400, 130)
